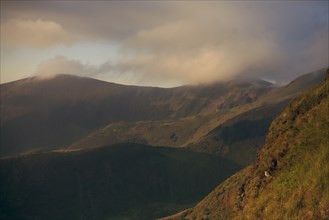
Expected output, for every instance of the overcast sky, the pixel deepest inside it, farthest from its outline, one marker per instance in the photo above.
(163, 43)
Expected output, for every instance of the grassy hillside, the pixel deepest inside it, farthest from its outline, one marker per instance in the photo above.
(240, 137)
(32, 109)
(291, 177)
(126, 181)
(171, 132)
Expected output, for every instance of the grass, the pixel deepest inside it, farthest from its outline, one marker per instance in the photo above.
(300, 185)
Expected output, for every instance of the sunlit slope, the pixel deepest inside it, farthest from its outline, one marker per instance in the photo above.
(291, 177)
(172, 132)
(239, 138)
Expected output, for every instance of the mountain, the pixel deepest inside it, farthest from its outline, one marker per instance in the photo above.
(290, 179)
(213, 131)
(236, 133)
(55, 113)
(239, 138)
(298, 85)
(125, 181)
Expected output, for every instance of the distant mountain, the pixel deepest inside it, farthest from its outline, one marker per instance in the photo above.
(54, 113)
(239, 138)
(235, 133)
(298, 85)
(290, 179)
(126, 181)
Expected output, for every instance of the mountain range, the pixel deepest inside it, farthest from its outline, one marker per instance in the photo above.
(74, 107)
(81, 148)
(72, 111)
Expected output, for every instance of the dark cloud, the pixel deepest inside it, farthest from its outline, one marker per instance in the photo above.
(192, 42)
(111, 20)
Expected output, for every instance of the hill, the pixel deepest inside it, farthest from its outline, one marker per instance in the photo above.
(32, 109)
(235, 133)
(240, 138)
(126, 181)
(290, 179)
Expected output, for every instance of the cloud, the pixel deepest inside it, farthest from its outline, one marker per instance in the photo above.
(61, 65)
(194, 53)
(33, 33)
(167, 43)
(217, 43)
(114, 72)
(94, 20)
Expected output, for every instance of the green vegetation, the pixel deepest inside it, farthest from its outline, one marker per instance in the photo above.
(300, 185)
(291, 177)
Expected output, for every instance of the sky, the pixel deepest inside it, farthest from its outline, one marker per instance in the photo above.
(163, 43)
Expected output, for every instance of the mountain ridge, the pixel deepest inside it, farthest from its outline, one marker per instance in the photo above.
(75, 106)
(207, 132)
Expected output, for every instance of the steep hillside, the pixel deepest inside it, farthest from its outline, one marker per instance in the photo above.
(291, 177)
(126, 181)
(32, 109)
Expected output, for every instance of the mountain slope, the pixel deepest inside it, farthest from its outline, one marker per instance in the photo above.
(240, 137)
(298, 85)
(126, 181)
(235, 133)
(291, 177)
(32, 109)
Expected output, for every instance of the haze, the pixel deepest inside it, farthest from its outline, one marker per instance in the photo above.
(164, 43)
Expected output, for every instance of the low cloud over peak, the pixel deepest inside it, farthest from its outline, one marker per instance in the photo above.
(172, 43)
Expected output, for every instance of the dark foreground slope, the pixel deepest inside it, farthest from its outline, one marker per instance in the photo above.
(126, 181)
(291, 177)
